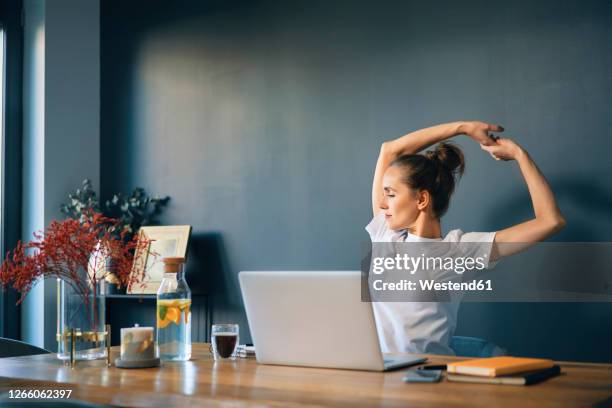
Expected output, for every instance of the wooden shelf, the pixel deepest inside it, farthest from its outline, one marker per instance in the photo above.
(143, 296)
(121, 296)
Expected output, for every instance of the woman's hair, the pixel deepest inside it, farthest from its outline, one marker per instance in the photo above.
(436, 171)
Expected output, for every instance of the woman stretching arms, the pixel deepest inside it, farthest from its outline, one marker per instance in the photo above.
(411, 192)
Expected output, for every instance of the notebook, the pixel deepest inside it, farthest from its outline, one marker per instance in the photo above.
(496, 366)
(528, 378)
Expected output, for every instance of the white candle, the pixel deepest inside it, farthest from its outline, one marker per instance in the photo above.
(137, 343)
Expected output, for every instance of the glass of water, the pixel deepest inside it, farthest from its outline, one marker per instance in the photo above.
(224, 339)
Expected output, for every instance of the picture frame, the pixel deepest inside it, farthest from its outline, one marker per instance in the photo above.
(164, 241)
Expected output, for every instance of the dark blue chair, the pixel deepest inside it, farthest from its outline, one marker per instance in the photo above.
(15, 348)
(474, 347)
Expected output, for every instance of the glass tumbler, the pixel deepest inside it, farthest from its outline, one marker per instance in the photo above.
(224, 341)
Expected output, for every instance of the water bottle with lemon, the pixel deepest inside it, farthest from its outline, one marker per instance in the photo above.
(174, 313)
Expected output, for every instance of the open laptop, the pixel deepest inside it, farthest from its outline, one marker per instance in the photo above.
(314, 319)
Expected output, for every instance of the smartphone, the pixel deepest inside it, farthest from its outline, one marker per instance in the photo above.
(429, 376)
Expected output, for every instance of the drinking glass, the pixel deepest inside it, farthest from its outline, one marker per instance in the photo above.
(224, 339)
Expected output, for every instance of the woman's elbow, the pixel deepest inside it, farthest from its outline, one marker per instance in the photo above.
(386, 149)
(391, 151)
(561, 222)
(556, 223)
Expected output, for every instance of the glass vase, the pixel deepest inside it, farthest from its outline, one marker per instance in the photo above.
(86, 315)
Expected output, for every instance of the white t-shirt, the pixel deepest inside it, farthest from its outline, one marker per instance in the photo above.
(422, 327)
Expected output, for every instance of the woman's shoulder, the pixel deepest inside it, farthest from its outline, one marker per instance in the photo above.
(474, 244)
(458, 235)
(379, 230)
(453, 235)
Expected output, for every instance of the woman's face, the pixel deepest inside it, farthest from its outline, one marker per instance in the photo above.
(400, 204)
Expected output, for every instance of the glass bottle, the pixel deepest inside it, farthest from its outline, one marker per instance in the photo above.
(174, 313)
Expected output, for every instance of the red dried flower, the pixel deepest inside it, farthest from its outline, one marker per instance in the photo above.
(65, 251)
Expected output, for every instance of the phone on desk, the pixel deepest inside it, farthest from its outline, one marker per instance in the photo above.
(421, 376)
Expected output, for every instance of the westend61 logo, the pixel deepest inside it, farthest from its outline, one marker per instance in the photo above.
(425, 272)
(440, 271)
(412, 264)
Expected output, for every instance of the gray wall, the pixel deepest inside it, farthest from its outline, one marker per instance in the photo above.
(262, 120)
(61, 139)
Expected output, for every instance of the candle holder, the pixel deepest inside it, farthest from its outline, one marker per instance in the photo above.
(74, 335)
(138, 348)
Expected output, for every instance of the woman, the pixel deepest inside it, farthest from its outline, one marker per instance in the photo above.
(411, 192)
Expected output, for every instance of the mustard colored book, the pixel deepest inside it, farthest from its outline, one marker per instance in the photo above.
(495, 366)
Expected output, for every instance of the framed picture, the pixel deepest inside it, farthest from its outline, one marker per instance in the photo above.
(164, 241)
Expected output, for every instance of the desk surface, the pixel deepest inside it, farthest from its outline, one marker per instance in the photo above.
(244, 383)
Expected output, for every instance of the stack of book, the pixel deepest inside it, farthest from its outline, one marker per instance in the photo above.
(245, 351)
(503, 370)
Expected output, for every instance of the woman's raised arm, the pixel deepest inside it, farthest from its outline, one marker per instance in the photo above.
(421, 139)
(547, 220)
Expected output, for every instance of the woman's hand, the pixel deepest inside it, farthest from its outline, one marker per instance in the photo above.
(479, 131)
(503, 149)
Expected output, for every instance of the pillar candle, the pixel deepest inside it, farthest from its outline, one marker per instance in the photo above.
(137, 343)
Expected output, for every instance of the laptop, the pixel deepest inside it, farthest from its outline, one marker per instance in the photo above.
(314, 319)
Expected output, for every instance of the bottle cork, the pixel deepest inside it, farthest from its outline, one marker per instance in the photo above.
(173, 264)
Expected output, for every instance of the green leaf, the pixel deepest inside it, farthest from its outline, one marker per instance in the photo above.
(162, 310)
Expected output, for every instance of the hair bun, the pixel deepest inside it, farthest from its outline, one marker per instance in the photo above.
(449, 156)
(436, 170)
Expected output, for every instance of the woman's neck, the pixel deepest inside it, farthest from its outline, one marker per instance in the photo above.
(426, 226)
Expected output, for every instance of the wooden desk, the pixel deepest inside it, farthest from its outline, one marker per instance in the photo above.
(244, 383)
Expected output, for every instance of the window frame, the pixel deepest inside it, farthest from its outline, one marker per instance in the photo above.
(11, 21)
(2, 137)
(3, 297)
